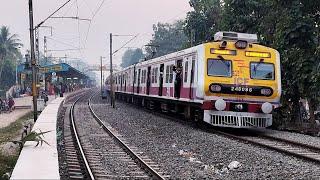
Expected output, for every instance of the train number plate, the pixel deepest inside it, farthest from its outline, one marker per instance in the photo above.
(241, 89)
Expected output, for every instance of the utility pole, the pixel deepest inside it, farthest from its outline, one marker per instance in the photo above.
(101, 74)
(37, 51)
(45, 49)
(111, 75)
(33, 63)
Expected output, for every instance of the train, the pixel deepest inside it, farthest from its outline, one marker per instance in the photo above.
(232, 81)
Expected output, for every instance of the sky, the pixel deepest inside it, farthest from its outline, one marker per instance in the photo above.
(88, 40)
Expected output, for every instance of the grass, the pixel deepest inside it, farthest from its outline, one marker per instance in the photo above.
(7, 134)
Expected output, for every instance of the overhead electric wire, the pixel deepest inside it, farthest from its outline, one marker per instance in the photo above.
(52, 14)
(63, 50)
(93, 16)
(63, 43)
(77, 14)
(125, 43)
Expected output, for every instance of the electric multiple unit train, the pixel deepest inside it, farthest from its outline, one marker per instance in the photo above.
(230, 82)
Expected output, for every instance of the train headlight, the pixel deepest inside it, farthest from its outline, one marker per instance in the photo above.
(266, 108)
(215, 88)
(239, 107)
(241, 44)
(220, 104)
(266, 91)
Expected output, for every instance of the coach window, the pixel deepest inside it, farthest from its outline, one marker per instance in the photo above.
(156, 75)
(145, 75)
(192, 68)
(142, 77)
(152, 75)
(219, 67)
(262, 71)
(167, 74)
(171, 73)
(186, 71)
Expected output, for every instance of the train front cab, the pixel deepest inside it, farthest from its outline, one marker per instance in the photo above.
(241, 86)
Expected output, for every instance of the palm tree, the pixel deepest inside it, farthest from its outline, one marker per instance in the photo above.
(9, 46)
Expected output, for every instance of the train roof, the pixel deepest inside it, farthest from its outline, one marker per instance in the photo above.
(168, 56)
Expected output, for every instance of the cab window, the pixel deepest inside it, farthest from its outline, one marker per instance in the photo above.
(219, 67)
(262, 71)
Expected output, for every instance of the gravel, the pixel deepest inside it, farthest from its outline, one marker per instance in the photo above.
(60, 143)
(187, 152)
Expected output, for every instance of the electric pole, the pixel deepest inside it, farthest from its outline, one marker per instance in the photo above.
(101, 74)
(37, 51)
(45, 49)
(111, 75)
(33, 63)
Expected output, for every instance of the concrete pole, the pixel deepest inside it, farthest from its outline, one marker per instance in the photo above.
(111, 75)
(101, 74)
(33, 62)
(45, 50)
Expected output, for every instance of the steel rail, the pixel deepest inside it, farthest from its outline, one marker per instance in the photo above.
(142, 163)
(278, 148)
(87, 166)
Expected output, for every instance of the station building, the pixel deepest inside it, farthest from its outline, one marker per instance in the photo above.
(52, 75)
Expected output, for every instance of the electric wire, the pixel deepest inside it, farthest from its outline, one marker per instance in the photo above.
(125, 44)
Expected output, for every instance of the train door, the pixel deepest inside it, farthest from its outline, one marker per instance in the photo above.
(134, 78)
(125, 82)
(178, 79)
(138, 87)
(192, 78)
(148, 80)
(121, 82)
(161, 79)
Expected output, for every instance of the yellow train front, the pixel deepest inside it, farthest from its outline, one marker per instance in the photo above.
(241, 81)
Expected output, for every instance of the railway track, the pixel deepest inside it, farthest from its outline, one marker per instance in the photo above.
(88, 162)
(300, 150)
(77, 164)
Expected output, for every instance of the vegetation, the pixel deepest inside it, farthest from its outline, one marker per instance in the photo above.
(131, 56)
(9, 53)
(167, 38)
(8, 134)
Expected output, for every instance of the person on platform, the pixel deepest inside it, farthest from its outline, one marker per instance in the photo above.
(61, 88)
(44, 96)
(56, 91)
(11, 104)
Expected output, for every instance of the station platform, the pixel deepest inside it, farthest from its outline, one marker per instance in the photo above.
(41, 162)
(26, 102)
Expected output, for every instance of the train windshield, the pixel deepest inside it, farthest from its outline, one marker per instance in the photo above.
(263, 71)
(219, 67)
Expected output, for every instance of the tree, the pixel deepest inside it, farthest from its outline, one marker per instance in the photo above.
(296, 38)
(201, 23)
(250, 16)
(9, 47)
(167, 38)
(131, 56)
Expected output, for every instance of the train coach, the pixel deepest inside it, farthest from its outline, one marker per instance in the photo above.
(230, 82)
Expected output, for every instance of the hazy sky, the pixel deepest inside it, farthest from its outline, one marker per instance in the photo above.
(124, 17)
